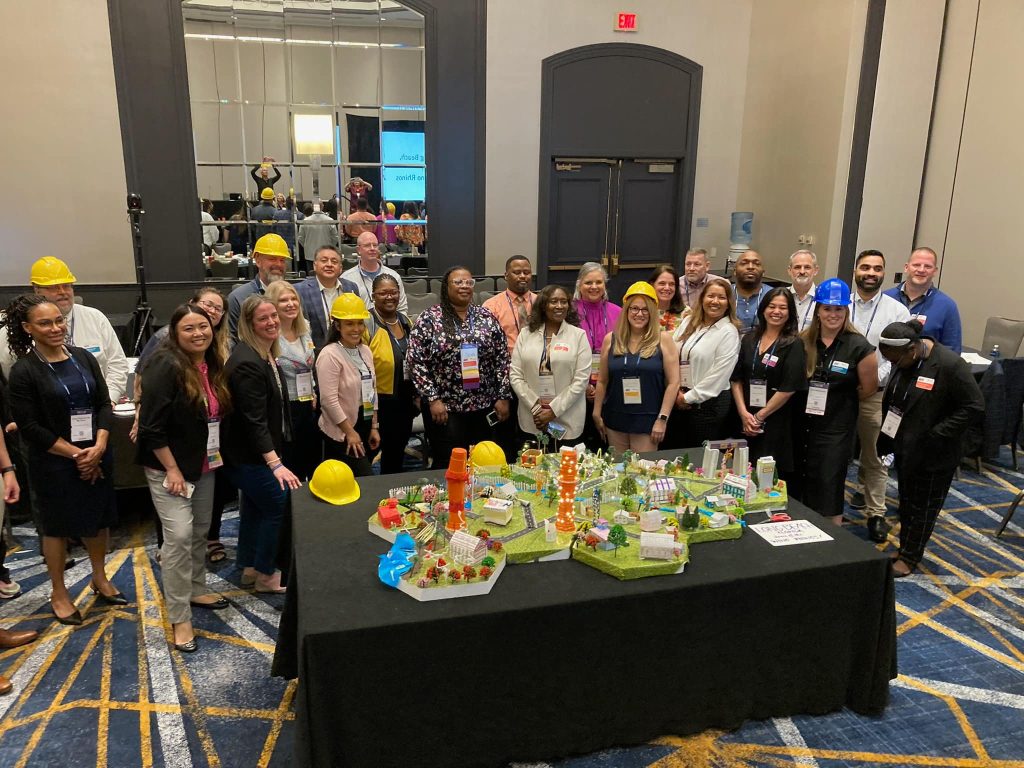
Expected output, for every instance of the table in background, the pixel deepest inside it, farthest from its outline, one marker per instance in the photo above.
(562, 659)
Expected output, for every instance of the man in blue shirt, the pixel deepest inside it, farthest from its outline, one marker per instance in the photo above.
(935, 310)
(749, 288)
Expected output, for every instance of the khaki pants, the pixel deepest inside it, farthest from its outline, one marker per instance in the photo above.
(872, 474)
(183, 555)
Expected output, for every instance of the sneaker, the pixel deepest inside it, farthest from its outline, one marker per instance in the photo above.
(857, 500)
(878, 529)
(9, 589)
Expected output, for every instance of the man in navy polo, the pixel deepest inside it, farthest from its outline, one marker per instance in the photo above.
(935, 310)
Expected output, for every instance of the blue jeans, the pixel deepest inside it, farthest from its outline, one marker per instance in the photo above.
(260, 513)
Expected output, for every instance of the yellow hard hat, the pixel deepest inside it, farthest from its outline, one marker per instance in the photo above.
(349, 306)
(50, 270)
(267, 194)
(390, 207)
(487, 454)
(334, 482)
(272, 245)
(641, 288)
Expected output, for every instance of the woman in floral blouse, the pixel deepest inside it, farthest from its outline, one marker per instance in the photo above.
(459, 361)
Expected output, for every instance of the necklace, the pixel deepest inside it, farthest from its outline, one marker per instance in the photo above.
(390, 322)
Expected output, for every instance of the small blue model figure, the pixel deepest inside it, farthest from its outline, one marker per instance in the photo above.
(398, 561)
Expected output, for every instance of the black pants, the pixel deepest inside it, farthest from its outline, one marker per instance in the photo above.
(395, 415)
(689, 428)
(362, 466)
(590, 436)
(507, 433)
(922, 495)
(460, 431)
(304, 452)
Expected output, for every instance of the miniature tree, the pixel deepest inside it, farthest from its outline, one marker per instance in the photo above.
(617, 537)
(627, 486)
(454, 575)
(627, 457)
(485, 572)
(484, 534)
(469, 572)
(544, 439)
(775, 478)
(629, 504)
(495, 545)
(686, 461)
(487, 562)
(552, 493)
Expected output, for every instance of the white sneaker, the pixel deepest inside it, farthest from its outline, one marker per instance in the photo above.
(9, 588)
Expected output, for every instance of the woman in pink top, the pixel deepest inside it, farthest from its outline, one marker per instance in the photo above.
(348, 388)
(597, 317)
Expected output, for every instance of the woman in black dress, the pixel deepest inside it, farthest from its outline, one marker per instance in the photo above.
(842, 370)
(60, 403)
(769, 371)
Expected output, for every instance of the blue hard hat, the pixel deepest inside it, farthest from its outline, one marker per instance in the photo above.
(833, 292)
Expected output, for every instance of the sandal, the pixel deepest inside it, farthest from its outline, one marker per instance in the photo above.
(215, 552)
(899, 574)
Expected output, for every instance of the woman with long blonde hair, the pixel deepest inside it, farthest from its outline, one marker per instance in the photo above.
(639, 376)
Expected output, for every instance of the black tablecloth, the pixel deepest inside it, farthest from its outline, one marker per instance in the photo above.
(561, 659)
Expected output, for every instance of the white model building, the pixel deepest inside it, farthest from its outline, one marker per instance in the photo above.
(710, 461)
(661, 491)
(498, 511)
(622, 517)
(466, 548)
(765, 472)
(740, 460)
(650, 520)
(658, 546)
(738, 487)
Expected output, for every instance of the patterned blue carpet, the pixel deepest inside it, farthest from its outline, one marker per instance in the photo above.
(111, 693)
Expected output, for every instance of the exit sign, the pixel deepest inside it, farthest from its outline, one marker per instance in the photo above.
(625, 22)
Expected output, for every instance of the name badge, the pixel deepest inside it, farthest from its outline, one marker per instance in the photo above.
(758, 393)
(838, 366)
(773, 360)
(631, 391)
(470, 366)
(817, 397)
(922, 319)
(81, 425)
(891, 424)
(923, 382)
(685, 377)
(212, 435)
(546, 388)
(595, 366)
(94, 350)
(560, 347)
(304, 385)
(367, 385)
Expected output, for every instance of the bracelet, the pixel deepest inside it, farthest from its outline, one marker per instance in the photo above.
(5, 470)
(275, 465)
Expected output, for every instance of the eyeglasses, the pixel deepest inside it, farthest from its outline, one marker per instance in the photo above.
(468, 282)
(639, 311)
(386, 294)
(209, 306)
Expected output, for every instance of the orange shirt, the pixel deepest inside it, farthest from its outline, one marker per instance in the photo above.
(509, 308)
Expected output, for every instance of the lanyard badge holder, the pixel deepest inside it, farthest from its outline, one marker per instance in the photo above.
(213, 457)
(817, 398)
(891, 423)
(304, 386)
(81, 425)
(470, 356)
(366, 382)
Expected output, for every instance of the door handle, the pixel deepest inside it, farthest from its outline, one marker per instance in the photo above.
(615, 264)
(604, 261)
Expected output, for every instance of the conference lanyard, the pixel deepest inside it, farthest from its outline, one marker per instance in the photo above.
(85, 381)
(807, 312)
(515, 312)
(689, 351)
(872, 318)
(772, 360)
(906, 389)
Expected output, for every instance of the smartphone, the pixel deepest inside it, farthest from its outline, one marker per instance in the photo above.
(190, 488)
(556, 430)
(492, 418)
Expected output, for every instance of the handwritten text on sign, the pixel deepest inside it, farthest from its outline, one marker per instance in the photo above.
(793, 532)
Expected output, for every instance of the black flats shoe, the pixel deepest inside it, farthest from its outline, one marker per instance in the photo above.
(73, 620)
(217, 605)
(115, 599)
(190, 647)
(878, 529)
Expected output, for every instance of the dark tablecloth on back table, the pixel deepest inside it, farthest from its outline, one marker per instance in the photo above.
(561, 659)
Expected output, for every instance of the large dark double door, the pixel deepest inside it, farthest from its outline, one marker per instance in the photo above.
(619, 212)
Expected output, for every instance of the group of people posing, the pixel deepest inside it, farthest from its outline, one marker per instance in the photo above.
(246, 396)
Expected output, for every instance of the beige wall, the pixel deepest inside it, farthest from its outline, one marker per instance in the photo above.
(713, 33)
(802, 77)
(60, 143)
(907, 67)
(979, 188)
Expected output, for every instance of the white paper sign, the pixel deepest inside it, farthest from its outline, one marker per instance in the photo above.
(792, 532)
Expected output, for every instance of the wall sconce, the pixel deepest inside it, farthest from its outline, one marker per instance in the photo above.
(314, 136)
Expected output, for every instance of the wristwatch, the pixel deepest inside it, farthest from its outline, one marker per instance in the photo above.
(5, 470)
(662, 417)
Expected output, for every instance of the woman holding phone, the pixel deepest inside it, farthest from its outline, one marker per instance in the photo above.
(184, 399)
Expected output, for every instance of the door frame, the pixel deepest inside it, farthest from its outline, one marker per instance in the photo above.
(684, 204)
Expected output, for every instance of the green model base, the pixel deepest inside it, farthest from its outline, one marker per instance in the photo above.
(625, 564)
(702, 535)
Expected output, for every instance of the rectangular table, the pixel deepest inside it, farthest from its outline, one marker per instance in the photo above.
(560, 659)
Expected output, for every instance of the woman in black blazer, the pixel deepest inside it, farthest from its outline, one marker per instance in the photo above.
(61, 405)
(184, 400)
(929, 403)
(254, 438)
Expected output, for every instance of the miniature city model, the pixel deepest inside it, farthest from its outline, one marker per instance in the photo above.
(630, 519)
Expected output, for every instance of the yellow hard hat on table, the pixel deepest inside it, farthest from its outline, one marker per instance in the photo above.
(487, 454)
(50, 270)
(334, 483)
(272, 245)
(349, 306)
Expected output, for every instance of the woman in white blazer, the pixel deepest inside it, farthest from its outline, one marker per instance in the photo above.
(551, 368)
(709, 344)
